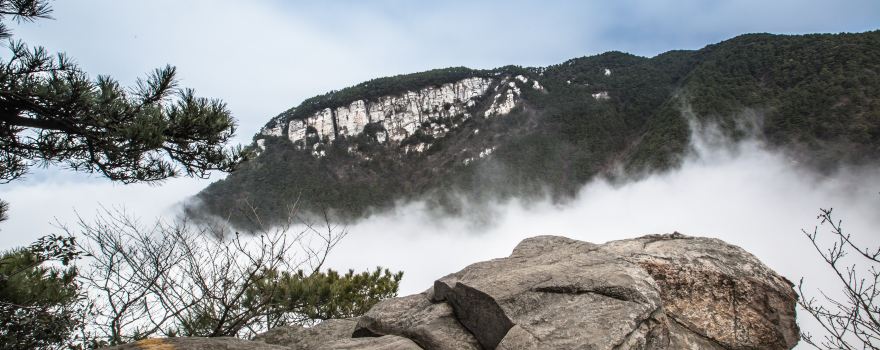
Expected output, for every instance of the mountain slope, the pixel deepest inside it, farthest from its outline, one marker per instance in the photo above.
(480, 134)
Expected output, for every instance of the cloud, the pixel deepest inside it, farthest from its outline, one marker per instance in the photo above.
(56, 196)
(747, 196)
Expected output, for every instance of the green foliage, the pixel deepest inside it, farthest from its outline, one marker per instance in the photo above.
(813, 96)
(21, 10)
(283, 298)
(51, 112)
(326, 295)
(818, 91)
(39, 305)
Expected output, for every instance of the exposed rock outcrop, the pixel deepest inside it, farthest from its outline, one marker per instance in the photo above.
(432, 325)
(433, 110)
(654, 292)
(400, 115)
(298, 337)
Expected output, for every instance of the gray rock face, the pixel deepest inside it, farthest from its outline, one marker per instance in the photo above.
(399, 114)
(654, 292)
(385, 342)
(717, 291)
(431, 325)
(298, 337)
(561, 293)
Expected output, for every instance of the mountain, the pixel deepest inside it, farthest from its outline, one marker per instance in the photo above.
(448, 134)
(654, 292)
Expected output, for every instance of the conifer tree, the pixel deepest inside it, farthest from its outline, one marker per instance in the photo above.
(51, 112)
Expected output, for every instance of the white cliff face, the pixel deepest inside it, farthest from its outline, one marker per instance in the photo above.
(296, 130)
(276, 129)
(351, 120)
(323, 124)
(537, 86)
(400, 115)
(434, 111)
(505, 101)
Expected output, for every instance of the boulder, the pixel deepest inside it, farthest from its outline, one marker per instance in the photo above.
(431, 325)
(715, 291)
(657, 292)
(653, 292)
(309, 338)
(386, 342)
(560, 293)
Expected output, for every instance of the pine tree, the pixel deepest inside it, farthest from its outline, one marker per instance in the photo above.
(39, 304)
(51, 112)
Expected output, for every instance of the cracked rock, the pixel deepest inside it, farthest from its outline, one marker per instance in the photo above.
(715, 292)
(302, 338)
(431, 325)
(657, 292)
(560, 293)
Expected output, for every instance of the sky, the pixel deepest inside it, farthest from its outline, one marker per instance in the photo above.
(263, 57)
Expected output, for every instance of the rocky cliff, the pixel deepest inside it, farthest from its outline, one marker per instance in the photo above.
(530, 132)
(432, 110)
(654, 292)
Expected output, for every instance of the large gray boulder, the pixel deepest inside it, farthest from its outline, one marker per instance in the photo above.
(654, 292)
(717, 292)
(309, 338)
(385, 342)
(560, 293)
(431, 325)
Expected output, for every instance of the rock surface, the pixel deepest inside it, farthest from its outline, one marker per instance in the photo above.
(196, 343)
(298, 337)
(431, 325)
(716, 290)
(653, 292)
(400, 114)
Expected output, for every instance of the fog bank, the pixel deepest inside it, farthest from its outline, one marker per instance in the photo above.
(745, 195)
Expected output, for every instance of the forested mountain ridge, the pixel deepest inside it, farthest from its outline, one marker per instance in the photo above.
(515, 131)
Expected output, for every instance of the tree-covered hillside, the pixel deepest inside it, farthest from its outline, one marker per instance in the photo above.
(816, 97)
